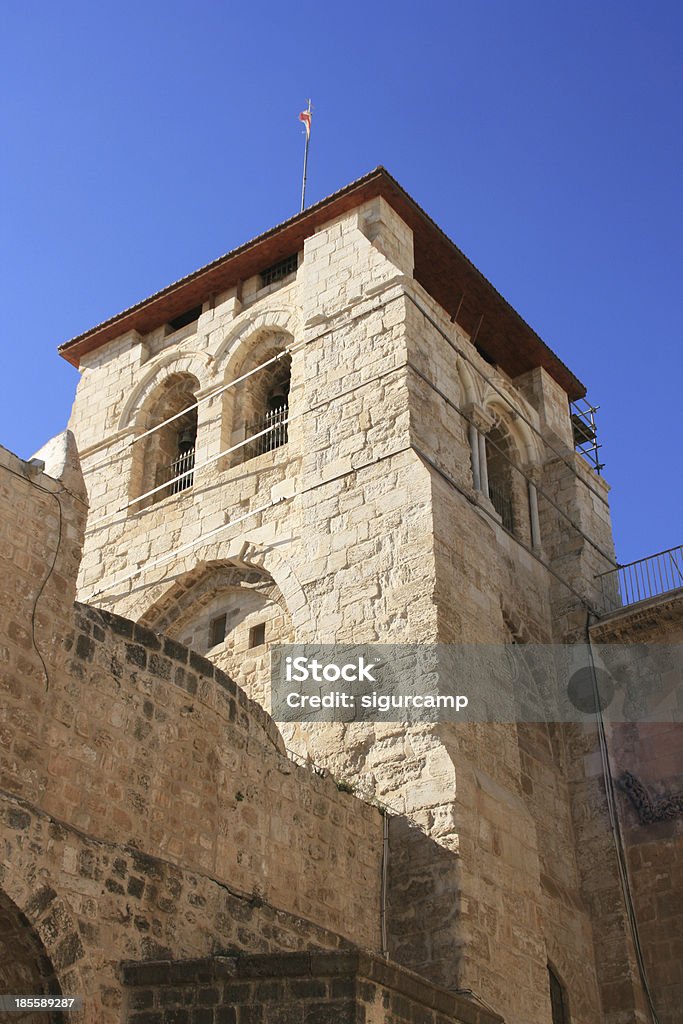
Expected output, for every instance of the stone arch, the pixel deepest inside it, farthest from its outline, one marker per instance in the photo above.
(513, 458)
(25, 967)
(165, 458)
(194, 591)
(510, 409)
(232, 610)
(558, 993)
(193, 364)
(260, 401)
(273, 320)
(468, 384)
(47, 951)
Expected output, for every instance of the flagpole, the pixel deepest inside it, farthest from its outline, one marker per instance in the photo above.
(308, 139)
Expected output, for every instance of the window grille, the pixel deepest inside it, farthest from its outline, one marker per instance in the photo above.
(181, 472)
(503, 506)
(275, 425)
(279, 270)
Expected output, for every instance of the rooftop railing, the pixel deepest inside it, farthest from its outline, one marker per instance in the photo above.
(638, 581)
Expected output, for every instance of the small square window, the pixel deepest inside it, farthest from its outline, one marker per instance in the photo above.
(257, 635)
(217, 629)
(279, 270)
(188, 317)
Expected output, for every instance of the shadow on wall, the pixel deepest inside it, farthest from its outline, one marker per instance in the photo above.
(422, 902)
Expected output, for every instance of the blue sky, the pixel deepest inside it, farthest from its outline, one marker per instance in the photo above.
(143, 140)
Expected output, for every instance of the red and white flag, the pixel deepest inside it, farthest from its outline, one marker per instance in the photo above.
(305, 116)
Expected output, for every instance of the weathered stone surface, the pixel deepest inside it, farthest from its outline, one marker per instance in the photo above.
(151, 811)
(299, 988)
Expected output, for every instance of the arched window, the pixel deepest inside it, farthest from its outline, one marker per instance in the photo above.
(255, 418)
(499, 464)
(558, 999)
(164, 461)
(232, 614)
(497, 474)
(270, 403)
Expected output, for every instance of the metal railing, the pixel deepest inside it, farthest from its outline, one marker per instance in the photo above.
(274, 424)
(181, 473)
(503, 506)
(648, 577)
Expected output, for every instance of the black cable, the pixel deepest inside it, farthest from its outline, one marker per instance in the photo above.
(44, 584)
(502, 394)
(622, 861)
(518, 469)
(469, 497)
(52, 494)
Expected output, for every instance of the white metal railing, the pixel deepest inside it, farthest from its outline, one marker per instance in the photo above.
(270, 432)
(648, 577)
(181, 473)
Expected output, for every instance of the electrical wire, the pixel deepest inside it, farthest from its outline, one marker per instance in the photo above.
(490, 515)
(44, 585)
(506, 398)
(622, 860)
(513, 464)
(107, 460)
(422, 454)
(34, 610)
(193, 470)
(302, 344)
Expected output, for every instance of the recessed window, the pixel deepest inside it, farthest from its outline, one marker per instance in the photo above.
(558, 999)
(217, 629)
(164, 464)
(279, 270)
(257, 635)
(485, 356)
(270, 429)
(188, 317)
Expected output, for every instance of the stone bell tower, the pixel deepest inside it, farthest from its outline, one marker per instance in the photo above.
(340, 432)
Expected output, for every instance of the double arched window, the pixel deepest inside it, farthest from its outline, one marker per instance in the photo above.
(254, 421)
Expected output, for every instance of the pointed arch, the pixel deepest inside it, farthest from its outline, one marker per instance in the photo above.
(469, 385)
(510, 409)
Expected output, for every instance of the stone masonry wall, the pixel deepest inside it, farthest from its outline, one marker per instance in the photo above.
(367, 527)
(146, 805)
(299, 988)
(646, 762)
(517, 877)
